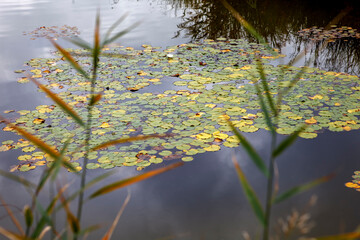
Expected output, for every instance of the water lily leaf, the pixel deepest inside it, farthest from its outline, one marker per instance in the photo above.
(212, 148)
(308, 135)
(26, 167)
(311, 120)
(28, 149)
(187, 159)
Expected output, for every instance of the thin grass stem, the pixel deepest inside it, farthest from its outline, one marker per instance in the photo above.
(269, 190)
(96, 52)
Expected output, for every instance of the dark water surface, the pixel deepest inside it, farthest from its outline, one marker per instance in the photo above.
(203, 199)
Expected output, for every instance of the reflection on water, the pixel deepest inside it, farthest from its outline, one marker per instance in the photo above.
(279, 22)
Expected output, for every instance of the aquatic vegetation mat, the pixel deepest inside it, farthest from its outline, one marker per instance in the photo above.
(53, 32)
(355, 184)
(205, 84)
(330, 35)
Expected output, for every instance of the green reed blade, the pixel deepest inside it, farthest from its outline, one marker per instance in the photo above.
(266, 86)
(293, 82)
(250, 194)
(71, 219)
(265, 110)
(60, 159)
(302, 188)
(55, 167)
(120, 20)
(45, 218)
(79, 42)
(18, 179)
(88, 230)
(254, 156)
(119, 34)
(97, 48)
(288, 142)
(61, 103)
(70, 59)
(88, 185)
(28, 216)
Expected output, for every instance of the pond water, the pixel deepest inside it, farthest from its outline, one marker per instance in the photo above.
(203, 199)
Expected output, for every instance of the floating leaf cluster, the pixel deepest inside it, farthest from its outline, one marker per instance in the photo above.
(355, 184)
(208, 84)
(53, 32)
(329, 35)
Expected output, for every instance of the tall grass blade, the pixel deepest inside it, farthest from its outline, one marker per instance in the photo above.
(60, 159)
(70, 59)
(302, 188)
(41, 225)
(47, 173)
(71, 219)
(266, 86)
(86, 231)
(287, 142)
(45, 218)
(60, 102)
(116, 185)
(35, 140)
(10, 235)
(120, 20)
(79, 42)
(18, 179)
(250, 150)
(44, 231)
(264, 108)
(119, 34)
(12, 216)
(28, 215)
(129, 139)
(95, 98)
(250, 194)
(265, 111)
(88, 185)
(69, 166)
(52, 170)
(96, 49)
(293, 82)
(113, 225)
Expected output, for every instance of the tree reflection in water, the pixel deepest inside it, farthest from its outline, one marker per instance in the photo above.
(279, 22)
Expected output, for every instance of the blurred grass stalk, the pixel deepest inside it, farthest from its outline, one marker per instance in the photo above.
(271, 107)
(36, 228)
